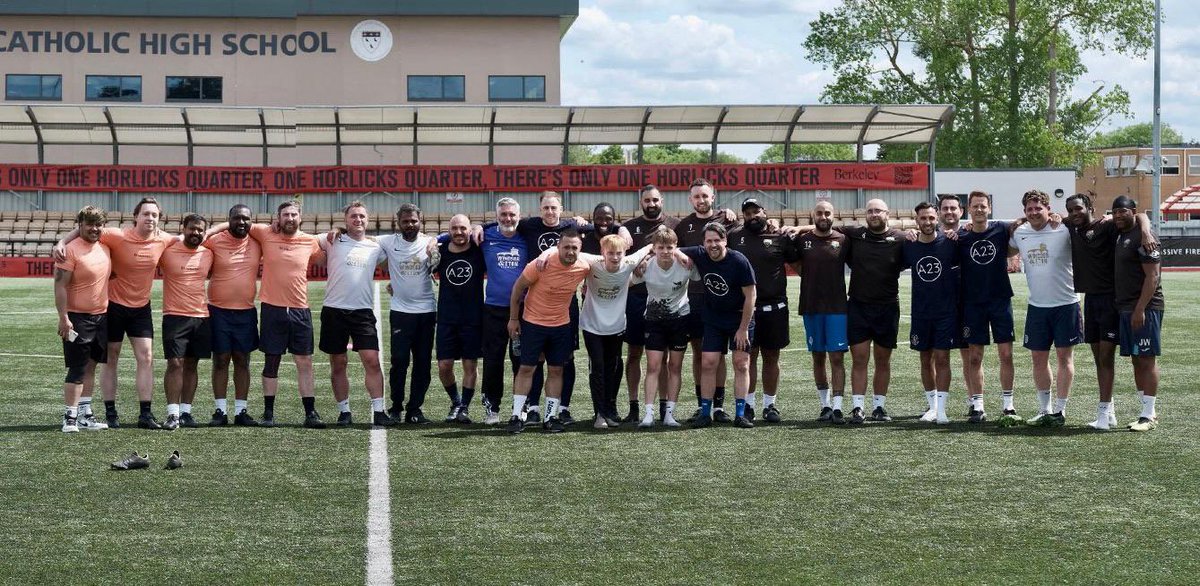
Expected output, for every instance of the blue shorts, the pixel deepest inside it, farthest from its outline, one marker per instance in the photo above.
(720, 337)
(976, 317)
(826, 332)
(555, 342)
(1143, 342)
(233, 330)
(459, 341)
(1062, 325)
(286, 329)
(635, 319)
(1101, 322)
(933, 333)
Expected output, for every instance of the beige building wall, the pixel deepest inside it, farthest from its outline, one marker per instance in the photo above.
(1138, 185)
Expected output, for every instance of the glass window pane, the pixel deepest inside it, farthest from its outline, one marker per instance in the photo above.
(211, 89)
(505, 87)
(424, 87)
(183, 88)
(535, 88)
(52, 87)
(131, 88)
(19, 87)
(454, 87)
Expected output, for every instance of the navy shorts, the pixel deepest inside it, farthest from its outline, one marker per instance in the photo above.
(874, 322)
(186, 337)
(341, 326)
(135, 321)
(91, 340)
(1145, 341)
(460, 341)
(635, 319)
(996, 313)
(286, 329)
(1101, 321)
(554, 342)
(771, 327)
(667, 334)
(826, 332)
(695, 321)
(933, 333)
(1062, 325)
(233, 330)
(720, 337)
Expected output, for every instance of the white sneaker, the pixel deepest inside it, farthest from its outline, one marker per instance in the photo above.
(89, 423)
(1037, 419)
(930, 416)
(600, 423)
(942, 419)
(70, 424)
(1112, 419)
(647, 421)
(491, 417)
(669, 421)
(1100, 424)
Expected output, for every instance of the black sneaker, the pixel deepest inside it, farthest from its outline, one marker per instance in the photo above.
(113, 421)
(880, 414)
(146, 421)
(244, 419)
(219, 419)
(345, 419)
(826, 414)
(186, 420)
(742, 422)
(170, 424)
(396, 413)
(749, 413)
(720, 416)
(268, 419)
(174, 461)
(416, 417)
(382, 419)
(515, 425)
(133, 462)
(564, 416)
(1056, 419)
(856, 416)
(702, 420)
(976, 416)
(462, 417)
(533, 417)
(453, 414)
(695, 415)
(836, 417)
(771, 415)
(553, 425)
(634, 417)
(313, 420)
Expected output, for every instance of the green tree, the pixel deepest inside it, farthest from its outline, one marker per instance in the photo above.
(613, 155)
(809, 152)
(1008, 67)
(1141, 134)
(579, 154)
(673, 154)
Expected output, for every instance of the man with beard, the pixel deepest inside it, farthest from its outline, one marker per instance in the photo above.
(1093, 244)
(413, 312)
(1139, 298)
(641, 229)
(769, 253)
(234, 319)
(822, 259)
(504, 256)
(459, 315)
(933, 259)
(187, 336)
(81, 298)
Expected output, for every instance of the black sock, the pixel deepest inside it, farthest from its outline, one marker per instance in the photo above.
(452, 392)
(144, 407)
(662, 408)
(269, 403)
(633, 407)
(719, 398)
(110, 406)
(310, 404)
(467, 395)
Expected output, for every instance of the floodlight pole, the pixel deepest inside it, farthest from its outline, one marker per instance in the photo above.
(1155, 212)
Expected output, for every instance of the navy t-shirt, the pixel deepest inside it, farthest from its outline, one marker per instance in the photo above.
(935, 278)
(539, 237)
(460, 285)
(722, 281)
(984, 259)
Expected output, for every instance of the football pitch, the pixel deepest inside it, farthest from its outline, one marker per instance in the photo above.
(797, 502)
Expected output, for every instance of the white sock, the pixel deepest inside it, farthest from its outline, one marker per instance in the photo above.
(931, 398)
(239, 405)
(857, 401)
(1007, 398)
(836, 402)
(85, 407)
(1102, 410)
(173, 409)
(1044, 400)
(377, 405)
(1060, 405)
(72, 411)
(880, 400)
(185, 408)
(1112, 407)
(344, 406)
(670, 410)
(551, 407)
(1148, 410)
(221, 405)
(769, 400)
(518, 404)
(750, 400)
(977, 402)
(823, 397)
(649, 412)
(941, 397)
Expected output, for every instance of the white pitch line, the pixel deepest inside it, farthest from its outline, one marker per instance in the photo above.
(379, 500)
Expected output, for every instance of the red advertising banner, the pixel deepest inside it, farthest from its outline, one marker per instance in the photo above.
(460, 178)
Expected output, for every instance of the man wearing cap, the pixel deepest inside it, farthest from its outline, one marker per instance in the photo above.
(1139, 298)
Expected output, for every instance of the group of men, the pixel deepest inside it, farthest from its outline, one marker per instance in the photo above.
(654, 284)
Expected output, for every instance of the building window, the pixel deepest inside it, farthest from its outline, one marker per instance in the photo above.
(437, 88)
(1112, 166)
(1170, 164)
(193, 89)
(32, 87)
(1193, 164)
(517, 88)
(1128, 162)
(117, 88)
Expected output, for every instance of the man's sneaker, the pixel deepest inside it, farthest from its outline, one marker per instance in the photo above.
(515, 425)
(219, 419)
(720, 416)
(564, 416)
(244, 419)
(186, 420)
(171, 423)
(749, 412)
(880, 414)
(345, 419)
(268, 419)
(1100, 423)
(669, 420)
(1009, 418)
(613, 422)
(1039, 420)
(600, 423)
(771, 415)
(382, 419)
(450, 417)
(415, 417)
(146, 421)
(491, 417)
(826, 414)
(633, 416)
(836, 417)
(975, 416)
(88, 423)
(533, 417)
(702, 420)
(1056, 419)
(942, 419)
(929, 416)
(1143, 424)
(113, 421)
(174, 462)
(695, 415)
(462, 417)
(396, 413)
(1112, 418)
(856, 416)
(743, 422)
(647, 422)
(132, 462)
(70, 424)
(553, 425)
(313, 420)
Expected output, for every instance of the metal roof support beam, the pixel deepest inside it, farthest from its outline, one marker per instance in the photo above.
(37, 130)
(642, 134)
(112, 129)
(415, 114)
(262, 121)
(862, 134)
(932, 169)
(492, 138)
(566, 143)
(787, 140)
(337, 135)
(712, 155)
(187, 128)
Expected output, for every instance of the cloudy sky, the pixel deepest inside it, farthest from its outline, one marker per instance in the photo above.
(633, 52)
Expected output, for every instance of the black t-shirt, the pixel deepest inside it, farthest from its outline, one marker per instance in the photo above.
(690, 231)
(1128, 259)
(875, 263)
(722, 281)
(460, 285)
(822, 273)
(591, 240)
(539, 237)
(767, 254)
(1092, 256)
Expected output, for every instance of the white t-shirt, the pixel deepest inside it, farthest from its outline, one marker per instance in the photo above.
(351, 264)
(1046, 257)
(666, 290)
(411, 271)
(603, 311)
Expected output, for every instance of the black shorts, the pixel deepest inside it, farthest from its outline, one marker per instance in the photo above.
(459, 341)
(635, 319)
(695, 322)
(186, 337)
(340, 326)
(1101, 320)
(286, 329)
(135, 321)
(667, 334)
(233, 330)
(91, 340)
(875, 322)
(771, 327)
(721, 337)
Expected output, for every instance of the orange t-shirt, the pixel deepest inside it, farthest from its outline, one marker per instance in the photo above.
(184, 271)
(548, 301)
(234, 278)
(90, 267)
(133, 262)
(285, 265)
